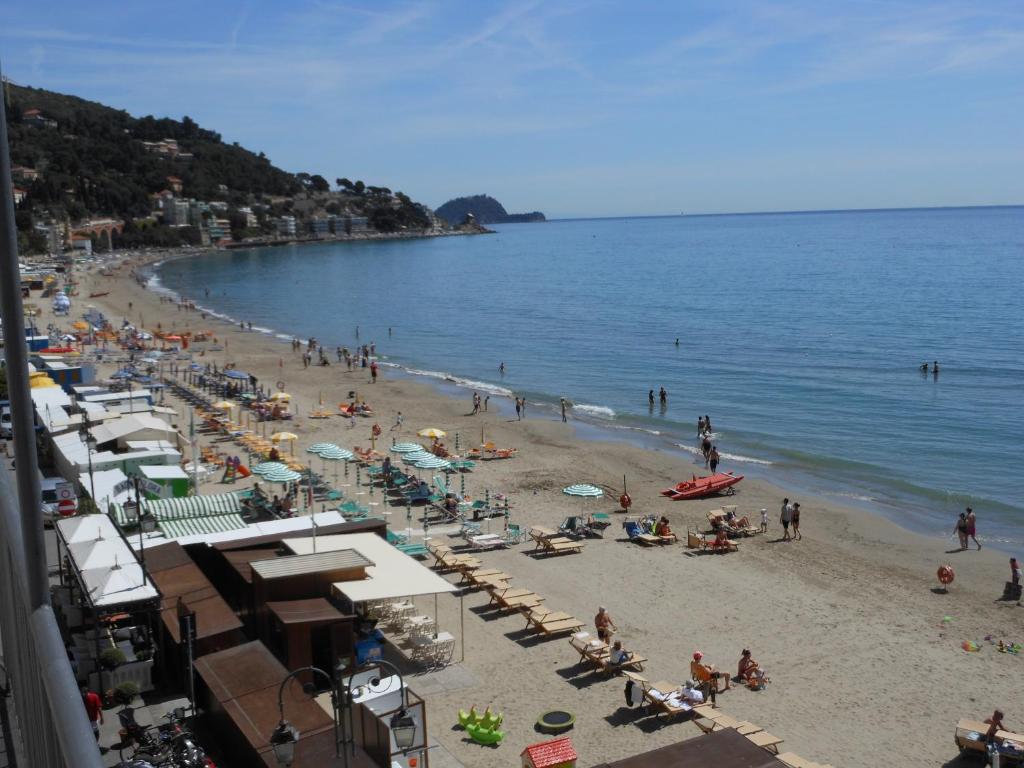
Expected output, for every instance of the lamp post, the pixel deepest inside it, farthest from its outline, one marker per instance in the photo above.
(402, 725)
(286, 736)
(147, 523)
(90, 446)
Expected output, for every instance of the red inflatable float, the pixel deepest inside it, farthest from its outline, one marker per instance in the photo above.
(625, 501)
(946, 575)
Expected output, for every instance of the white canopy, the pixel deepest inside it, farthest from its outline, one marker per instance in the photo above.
(105, 564)
(393, 574)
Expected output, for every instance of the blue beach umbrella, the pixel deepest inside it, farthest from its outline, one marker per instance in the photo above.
(236, 374)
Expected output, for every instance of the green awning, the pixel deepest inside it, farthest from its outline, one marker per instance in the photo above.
(191, 526)
(188, 507)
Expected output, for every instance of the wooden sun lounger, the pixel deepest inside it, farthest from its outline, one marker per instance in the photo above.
(513, 599)
(765, 740)
(558, 626)
(695, 540)
(601, 658)
(655, 694)
(484, 576)
(794, 760)
(745, 728)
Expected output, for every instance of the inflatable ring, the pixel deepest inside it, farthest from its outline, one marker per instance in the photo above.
(376, 430)
(625, 501)
(945, 574)
(280, 386)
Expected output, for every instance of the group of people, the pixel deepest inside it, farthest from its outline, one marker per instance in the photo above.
(478, 402)
(662, 397)
(966, 528)
(790, 519)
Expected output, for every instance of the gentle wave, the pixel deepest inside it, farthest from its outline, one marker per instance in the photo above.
(600, 411)
(729, 456)
(483, 386)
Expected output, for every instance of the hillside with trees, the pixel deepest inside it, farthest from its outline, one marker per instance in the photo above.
(485, 209)
(76, 160)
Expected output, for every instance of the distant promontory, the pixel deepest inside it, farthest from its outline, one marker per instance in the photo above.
(485, 209)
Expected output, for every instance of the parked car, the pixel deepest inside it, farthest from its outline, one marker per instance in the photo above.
(48, 485)
(5, 423)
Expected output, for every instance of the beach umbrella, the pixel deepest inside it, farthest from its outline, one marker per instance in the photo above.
(318, 447)
(277, 437)
(282, 476)
(224, 405)
(268, 466)
(236, 374)
(406, 447)
(434, 462)
(432, 432)
(583, 489)
(280, 397)
(412, 458)
(337, 454)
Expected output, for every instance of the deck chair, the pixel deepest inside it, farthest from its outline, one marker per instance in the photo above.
(636, 534)
(560, 544)
(766, 741)
(553, 623)
(582, 642)
(695, 540)
(508, 598)
(794, 760)
(659, 699)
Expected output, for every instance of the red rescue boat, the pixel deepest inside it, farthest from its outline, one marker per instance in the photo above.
(699, 487)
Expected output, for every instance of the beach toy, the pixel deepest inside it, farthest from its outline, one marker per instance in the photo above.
(970, 646)
(946, 619)
(491, 720)
(486, 736)
(467, 719)
(946, 575)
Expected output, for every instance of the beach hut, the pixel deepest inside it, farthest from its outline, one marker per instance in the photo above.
(557, 753)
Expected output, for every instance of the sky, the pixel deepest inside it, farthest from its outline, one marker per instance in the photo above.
(571, 107)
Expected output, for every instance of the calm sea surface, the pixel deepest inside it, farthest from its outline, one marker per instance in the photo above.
(800, 334)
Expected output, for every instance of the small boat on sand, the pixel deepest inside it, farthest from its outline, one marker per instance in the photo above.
(699, 487)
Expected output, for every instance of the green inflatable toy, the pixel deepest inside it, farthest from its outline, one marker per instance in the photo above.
(486, 736)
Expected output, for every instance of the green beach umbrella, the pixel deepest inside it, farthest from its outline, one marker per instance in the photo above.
(268, 466)
(583, 489)
(406, 447)
(433, 462)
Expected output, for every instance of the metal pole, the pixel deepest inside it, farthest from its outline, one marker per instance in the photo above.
(16, 355)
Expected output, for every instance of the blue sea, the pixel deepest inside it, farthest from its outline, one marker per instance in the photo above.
(801, 335)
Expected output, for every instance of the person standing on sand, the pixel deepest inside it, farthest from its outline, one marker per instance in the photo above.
(764, 521)
(487, 399)
(519, 410)
(373, 372)
(476, 404)
(563, 404)
(972, 521)
(713, 457)
(961, 530)
(795, 522)
(785, 517)
(605, 625)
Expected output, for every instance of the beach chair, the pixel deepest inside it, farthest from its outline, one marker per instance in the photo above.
(766, 741)
(486, 577)
(602, 660)
(508, 598)
(795, 761)
(695, 540)
(661, 699)
(553, 623)
(582, 642)
(636, 534)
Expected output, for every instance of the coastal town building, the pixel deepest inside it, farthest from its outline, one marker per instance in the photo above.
(82, 244)
(24, 173)
(286, 226)
(19, 195)
(251, 221)
(319, 227)
(219, 229)
(37, 119)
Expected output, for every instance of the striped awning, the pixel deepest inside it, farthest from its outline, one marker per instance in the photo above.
(189, 507)
(172, 529)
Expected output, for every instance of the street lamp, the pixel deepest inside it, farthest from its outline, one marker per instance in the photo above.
(286, 736)
(145, 520)
(90, 446)
(402, 724)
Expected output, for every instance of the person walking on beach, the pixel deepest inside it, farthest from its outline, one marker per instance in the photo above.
(341, 355)
(605, 625)
(563, 404)
(785, 517)
(487, 399)
(713, 457)
(764, 521)
(373, 372)
(961, 530)
(476, 404)
(795, 522)
(519, 410)
(398, 422)
(705, 449)
(972, 522)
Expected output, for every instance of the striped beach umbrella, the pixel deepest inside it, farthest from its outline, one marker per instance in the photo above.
(583, 489)
(434, 462)
(337, 454)
(406, 448)
(282, 476)
(317, 447)
(268, 466)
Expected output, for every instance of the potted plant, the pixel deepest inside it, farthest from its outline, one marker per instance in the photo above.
(125, 693)
(112, 658)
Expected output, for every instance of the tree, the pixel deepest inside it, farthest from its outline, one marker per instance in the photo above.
(319, 183)
(343, 183)
(359, 188)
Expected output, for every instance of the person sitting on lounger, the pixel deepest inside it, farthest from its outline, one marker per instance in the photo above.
(691, 693)
(619, 655)
(721, 540)
(707, 672)
(663, 528)
(733, 522)
(275, 455)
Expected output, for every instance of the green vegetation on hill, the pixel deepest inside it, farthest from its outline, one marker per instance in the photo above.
(485, 209)
(94, 164)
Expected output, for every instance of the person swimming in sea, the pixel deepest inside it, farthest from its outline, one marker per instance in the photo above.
(924, 367)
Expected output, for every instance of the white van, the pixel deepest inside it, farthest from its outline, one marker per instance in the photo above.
(48, 486)
(6, 432)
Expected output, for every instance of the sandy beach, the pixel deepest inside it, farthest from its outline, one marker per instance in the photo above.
(864, 656)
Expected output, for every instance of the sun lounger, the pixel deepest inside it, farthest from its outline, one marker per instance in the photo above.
(487, 577)
(794, 760)
(507, 598)
(549, 541)
(662, 699)
(549, 627)
(765, 740)
(601, 658)
(745, 728)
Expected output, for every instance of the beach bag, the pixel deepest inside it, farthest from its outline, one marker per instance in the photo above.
(634, 695)
(632, 531)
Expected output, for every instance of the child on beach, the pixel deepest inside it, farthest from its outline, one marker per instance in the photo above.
(764, 521)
